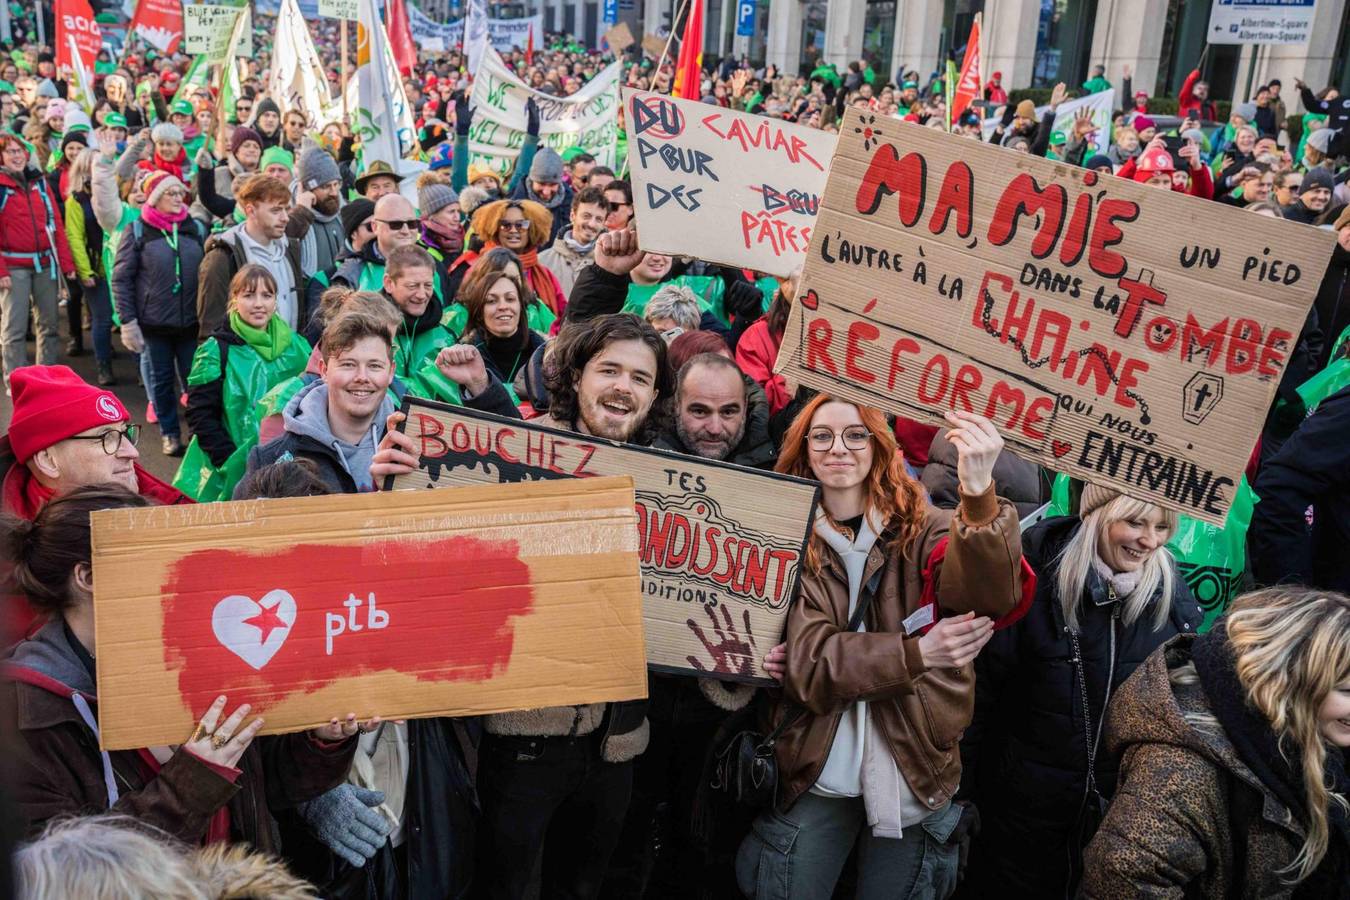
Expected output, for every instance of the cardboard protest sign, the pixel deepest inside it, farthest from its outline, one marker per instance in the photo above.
(207, 28)
(1126, 334)
(721, 185)
(478, 600)
(653, 46)
(620, 38)
(720, 545)
(589, 118)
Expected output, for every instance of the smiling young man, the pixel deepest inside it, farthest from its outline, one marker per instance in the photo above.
(574, 249)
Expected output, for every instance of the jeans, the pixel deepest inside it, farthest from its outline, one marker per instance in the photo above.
(552, 811)
(99, 300)
(799, 854)
(167, 354)
(38, 288)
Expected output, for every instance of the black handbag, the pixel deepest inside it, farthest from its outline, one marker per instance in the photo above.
(745, 769)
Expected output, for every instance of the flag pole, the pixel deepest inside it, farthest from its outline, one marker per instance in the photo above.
(674, 26)
(344, 69)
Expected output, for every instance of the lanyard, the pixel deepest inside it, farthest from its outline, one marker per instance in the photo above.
(172, 241)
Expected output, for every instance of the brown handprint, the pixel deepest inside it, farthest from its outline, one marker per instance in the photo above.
(732, 654)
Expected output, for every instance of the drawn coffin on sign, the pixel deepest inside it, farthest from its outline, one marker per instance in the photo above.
(402, 605)
(1126, 334)
(724, 186)
(720, 545)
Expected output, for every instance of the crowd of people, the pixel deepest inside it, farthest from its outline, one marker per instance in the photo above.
(963, 707)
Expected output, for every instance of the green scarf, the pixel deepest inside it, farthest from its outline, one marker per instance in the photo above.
(270, 342)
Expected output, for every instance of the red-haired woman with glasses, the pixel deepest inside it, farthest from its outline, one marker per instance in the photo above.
(870, 715)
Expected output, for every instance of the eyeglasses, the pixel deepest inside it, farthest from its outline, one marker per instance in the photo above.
(112, 440)
(614, 207)
(522, 225)
(822, 439)
(400, 224)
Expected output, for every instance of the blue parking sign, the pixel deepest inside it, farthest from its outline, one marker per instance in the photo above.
(611, 12)
(745, 18)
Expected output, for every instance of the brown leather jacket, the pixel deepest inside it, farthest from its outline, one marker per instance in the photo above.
(921, 711)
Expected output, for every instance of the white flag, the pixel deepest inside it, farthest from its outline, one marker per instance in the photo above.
(297, 79)
(383, 120)
(476, 34)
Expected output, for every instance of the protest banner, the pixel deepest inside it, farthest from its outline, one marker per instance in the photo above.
(720, 545)
(382, 117)
(504, 35)
(721, 185)
(207, 28)
(1098, 107)
(159, 23)
(403, 605)
(78, 37)
(1128, 335)
(588, 118)
(338, 9)
(297, 78)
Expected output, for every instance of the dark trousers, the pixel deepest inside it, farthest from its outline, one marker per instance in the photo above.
(74, 310)
(552, 811)
(170, 361)
(99, 300)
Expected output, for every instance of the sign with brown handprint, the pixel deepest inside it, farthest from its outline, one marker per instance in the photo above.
(720, 546)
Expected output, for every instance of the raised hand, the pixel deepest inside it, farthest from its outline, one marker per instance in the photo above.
(978, 445)
(463, 364)
(617, 252)
(397, 453)
(223, 743)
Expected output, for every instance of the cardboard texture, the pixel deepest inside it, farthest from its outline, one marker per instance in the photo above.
(724, 186)
(653, 46)
(405, 605)
(1126, 334)
(720, 545)
(620, 37)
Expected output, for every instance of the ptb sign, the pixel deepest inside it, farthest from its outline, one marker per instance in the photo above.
(745, 18)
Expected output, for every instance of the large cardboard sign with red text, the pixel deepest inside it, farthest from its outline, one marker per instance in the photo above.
(721, 185)
(1128, 335)
(720, 545)
(479, 600)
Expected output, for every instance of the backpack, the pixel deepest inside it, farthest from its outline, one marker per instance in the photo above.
(198, 232)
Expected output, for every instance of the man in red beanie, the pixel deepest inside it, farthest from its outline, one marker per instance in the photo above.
(66, 433)
(59, 439)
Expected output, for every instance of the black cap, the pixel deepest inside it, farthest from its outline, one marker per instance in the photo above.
(354, 213)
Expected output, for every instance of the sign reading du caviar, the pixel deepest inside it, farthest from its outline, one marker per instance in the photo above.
(394, 604)
(720, 545)
(1124, 333)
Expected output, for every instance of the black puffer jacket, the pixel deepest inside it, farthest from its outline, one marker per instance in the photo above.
(1025, 754)
(150, 287)
(756, 450)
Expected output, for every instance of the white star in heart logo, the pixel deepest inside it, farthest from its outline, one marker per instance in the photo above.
(254, 630)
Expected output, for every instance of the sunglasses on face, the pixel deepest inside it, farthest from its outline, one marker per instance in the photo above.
(614, 207)
(515, 226)
(399, 224)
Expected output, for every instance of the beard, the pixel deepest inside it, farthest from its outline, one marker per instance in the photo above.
(699, 444)
(600, 423)
(328, 206)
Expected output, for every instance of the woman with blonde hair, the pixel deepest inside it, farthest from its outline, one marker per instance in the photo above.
(1233, 778)
(86, 239)
(896, 599)
(1107, 595)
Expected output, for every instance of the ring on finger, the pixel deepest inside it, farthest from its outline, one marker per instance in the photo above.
(219, 740)
(198, 733)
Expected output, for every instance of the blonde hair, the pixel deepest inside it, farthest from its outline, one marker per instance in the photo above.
(1291, 648)
(80, 173)
(1158, 570)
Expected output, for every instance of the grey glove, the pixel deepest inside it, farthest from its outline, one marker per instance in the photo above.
(132, 338)
(347, 821)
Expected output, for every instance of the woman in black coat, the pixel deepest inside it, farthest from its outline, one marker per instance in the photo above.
(1107, 595)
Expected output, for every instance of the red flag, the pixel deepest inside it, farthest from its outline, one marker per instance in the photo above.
(529, 46)
(159, 23)
(968, 82)
(75, 18)
(689, 66)
(400, 37)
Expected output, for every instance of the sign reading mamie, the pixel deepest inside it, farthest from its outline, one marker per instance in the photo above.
(477, 600)
(720, 545)
(1120, 332)
(725, 186)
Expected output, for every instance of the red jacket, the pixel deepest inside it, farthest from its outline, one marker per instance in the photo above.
(756, 352)
(1201, 182)
(30, 218)
(1209, 110)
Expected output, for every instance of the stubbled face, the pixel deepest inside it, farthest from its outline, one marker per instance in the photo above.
(545, 190)
(270, 216)
(1316, 199)
(357, 379)
(256, 303)
(588, 221)
(412, 290)
(1334, 716)
(268, 121)
(712, 415)
(502, 309)
(1128, 543)
(81, 462)
(616, 389)
(838, 468)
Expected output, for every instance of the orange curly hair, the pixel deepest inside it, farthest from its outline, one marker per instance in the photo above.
(487, 219)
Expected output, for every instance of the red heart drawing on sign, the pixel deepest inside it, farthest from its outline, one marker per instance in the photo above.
(1059, 448)
(809, 300)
